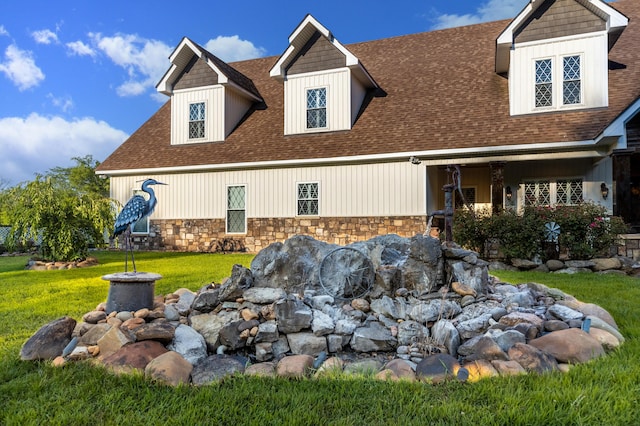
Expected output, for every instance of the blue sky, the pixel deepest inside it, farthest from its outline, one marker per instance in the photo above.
(77, 76)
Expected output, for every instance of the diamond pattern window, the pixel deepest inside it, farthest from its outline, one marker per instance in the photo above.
(469, 198)
(544, 85)
(571, 80)
(317, 108)
(196, 120)
(537, 193)
(569, 192)
(308, 197)
(236, 210)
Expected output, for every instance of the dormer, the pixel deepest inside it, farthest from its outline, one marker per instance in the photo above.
(325, 85)
(555, 55)
(209, 98)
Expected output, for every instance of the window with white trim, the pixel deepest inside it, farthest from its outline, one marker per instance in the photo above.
(236, 209)
(544, 83)
(564, 192)
(197, 114)
(308, 199)
(571, 86)
(141, 227)
(317, 108)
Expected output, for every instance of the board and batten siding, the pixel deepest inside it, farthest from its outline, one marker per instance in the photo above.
(385, 189)
(338, 85)
(213, 97)
(235, 106)
(594, 72)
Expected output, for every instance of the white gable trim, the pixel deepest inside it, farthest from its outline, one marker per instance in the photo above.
(301, 35)
(617, 128)
(616, 22)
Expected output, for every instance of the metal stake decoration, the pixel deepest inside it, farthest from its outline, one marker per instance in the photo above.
(136, 209)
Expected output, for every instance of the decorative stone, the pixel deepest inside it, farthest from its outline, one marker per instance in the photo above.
(532, 359)
(292, 315)
(322, 324)
(162, 331)
(401, 369)
(606, 339)
(507, 368)
(295, 366)
(93, 334)
(216, 367)
(463, 289)
(262, 369)
(134, 356)
(361, 305)
(569, 346)
(207, 300)
(49, 341)
(373, 338)
(94, 317)
(263, 295)
(170, 368)
(439, 367)
(189, 344)
(130, 291)
(306, 343)
(480, 369)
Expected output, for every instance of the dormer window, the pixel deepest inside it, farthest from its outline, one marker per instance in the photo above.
(571, 84)
(544, 83)
(317, 108)
(197, 114)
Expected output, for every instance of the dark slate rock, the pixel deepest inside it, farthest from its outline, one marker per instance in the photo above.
(373, 338)
(160, 331)
(240, 280)
(207, 300)
(423, 271)
(49, 341)
(292, 315)
(231, 337)
(555, 325)
(439, 367)
(216, 367)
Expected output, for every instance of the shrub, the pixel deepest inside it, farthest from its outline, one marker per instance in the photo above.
(585, 230)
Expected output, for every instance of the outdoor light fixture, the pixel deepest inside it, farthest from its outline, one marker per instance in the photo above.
(604, 190)
(508, 193)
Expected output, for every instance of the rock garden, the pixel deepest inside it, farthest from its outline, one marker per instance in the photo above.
(397, 308)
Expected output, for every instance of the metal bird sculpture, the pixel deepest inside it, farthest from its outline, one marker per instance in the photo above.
(136, 208)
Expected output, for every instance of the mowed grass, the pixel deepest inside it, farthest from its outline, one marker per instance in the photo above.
(602, 392)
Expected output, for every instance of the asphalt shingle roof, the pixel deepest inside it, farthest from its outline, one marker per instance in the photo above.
(441, 93)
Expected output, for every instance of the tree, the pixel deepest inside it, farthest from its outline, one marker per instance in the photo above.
(65, 211)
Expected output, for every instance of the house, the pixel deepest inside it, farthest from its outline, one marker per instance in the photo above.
(347, 142)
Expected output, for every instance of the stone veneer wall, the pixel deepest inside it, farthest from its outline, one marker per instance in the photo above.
(208, 235)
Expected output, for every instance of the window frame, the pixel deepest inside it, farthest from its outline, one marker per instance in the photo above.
(228, 210)
(553, 191)
(298, 200)
(145, 220)
(203, 120)
(316, 108)
(565, 81)
(549, 82)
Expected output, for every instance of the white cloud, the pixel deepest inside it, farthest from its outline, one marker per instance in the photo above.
(65, 103)
(37, 143)
(3, 31)
(44, 36)
(79, 48)
(232, 48)
(491, 10)
(20, 68)
(144, 60)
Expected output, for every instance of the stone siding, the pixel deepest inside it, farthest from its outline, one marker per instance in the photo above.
(629, 246)
(208, 235)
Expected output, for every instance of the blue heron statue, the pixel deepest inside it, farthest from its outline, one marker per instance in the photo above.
(136, 209)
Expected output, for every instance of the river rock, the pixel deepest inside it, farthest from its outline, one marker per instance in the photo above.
(170, 368)
(445, 334)
(134, 356)
(306, 343)
(439, 367)
(49, 341)
(569, 346)
(532, 359)
(161, 331)
(295, 366)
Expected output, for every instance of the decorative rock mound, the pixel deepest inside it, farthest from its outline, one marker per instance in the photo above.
(400, 308)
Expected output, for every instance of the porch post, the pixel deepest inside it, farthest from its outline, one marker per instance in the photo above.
(497, 185)
(622, 177)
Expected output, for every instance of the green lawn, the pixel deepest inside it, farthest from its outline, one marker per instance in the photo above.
(603, 392)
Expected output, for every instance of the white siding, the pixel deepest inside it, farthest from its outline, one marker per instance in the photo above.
(594, 69)
(236, 106)
(213, 97)
(389, 189)
(358, 93)
(338, 87)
